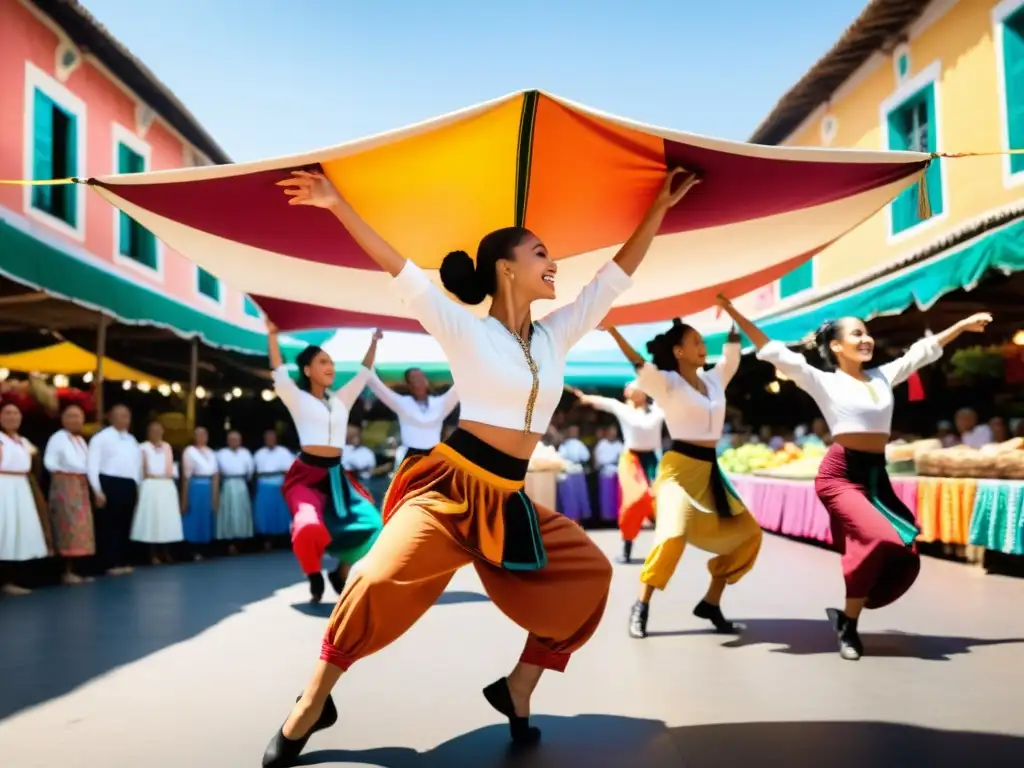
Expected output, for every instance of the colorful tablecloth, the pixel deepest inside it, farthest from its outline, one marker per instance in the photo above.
(998, 519)
(944, 508)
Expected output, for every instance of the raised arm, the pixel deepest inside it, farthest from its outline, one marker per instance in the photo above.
(755, 334)
(273, 347)
(384, 393)
(599, 403)
(449, 400)
(929, 349)
(315, 189)
(627, 349)
(635, 248)
(729, 362)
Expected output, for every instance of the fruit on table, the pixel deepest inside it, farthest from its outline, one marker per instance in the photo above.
(753, 457)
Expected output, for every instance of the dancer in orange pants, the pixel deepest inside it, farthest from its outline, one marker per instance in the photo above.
(641, 425)
(465, 502)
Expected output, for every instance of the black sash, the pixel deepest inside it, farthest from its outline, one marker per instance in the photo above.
(719, 484)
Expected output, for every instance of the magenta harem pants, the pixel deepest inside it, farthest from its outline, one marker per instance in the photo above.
(877, 565)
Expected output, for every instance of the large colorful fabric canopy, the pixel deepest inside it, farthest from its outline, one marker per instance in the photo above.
(580, 179)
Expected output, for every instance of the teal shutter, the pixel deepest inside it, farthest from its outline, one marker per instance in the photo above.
(800, 279)
(125, 228)
(250, 307)
(904, 207)
(1013, 63)
(907, 123)
(70, 191)
(933, 177)
(42, 149)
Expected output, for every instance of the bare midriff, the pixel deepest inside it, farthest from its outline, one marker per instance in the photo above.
(513, 442)
(323, 451)
(866, 442)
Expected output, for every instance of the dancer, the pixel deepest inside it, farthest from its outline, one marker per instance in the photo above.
(158, 519)
(872, 528)
(270, 511)
(234, 512)
(200, 492)
(24, 530)
(694, 501)
(641, 424)
(464, 503)
(66, 458)
(329, 514)
(420, 414)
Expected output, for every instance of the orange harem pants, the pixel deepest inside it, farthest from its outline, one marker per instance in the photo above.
(636, 471)
(444, 511)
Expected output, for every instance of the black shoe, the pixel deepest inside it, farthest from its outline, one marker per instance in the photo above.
(337, 580)
(850, 646)
(282, 752)
(713, 613)
(638, 620)
(627, 552)
(499, 697)
(316, 587)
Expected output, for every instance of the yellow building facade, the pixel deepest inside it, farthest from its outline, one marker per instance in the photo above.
(942, 76)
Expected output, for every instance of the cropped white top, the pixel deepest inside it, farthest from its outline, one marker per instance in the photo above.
(641, 429)
(689, 415)
(849, 405)
(499, 382)
(419, 423)
(319, 422)
(15, 455)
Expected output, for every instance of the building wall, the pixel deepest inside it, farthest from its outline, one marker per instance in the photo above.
(29, 51)
(958, 43)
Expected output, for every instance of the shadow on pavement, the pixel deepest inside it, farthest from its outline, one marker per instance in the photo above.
(606, 741)
(807, 637)
(453, 597)
(55, 640)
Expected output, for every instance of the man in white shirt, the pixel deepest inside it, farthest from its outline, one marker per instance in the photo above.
(356, 457)
(115, 471)
(572, 449)
(972, 434)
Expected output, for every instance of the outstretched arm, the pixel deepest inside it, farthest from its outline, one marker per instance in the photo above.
(371, 351)
(792, 364)
(273, 347)
(755, 334)
(627, 349)
(929, 349)
(635, 248)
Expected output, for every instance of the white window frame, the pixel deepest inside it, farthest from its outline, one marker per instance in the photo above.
(1000, 13)
(36, 78)
(120, 134)
(930, 75)
(220, 303)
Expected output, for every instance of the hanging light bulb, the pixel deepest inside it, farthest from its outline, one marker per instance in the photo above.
(60, 381)
(144, 386)
(1018, 339)
(201, 393)
(87, 378)
(164, 390)
(237, 392)
(176, 388)
(4, 373)
(267, 395)
(774, 387)
(126, 386)
(227, 397)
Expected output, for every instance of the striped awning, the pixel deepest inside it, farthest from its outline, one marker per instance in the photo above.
(581, 180)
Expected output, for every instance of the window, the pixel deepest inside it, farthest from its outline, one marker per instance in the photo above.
(800, 279)
(207, 284)
(54, 156)
(912, 126)
(250, 307)
(1013, 72)
(135, 242)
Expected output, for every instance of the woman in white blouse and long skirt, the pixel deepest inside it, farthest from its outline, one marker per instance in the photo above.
(234, 508)
(200, 492)
(420, 413)
(871, 527)
(66, 458)
(464, 502)
(641, 424)
(157, 519)
(24, 529)
(331, 512)
(271, 516)
(695, 502)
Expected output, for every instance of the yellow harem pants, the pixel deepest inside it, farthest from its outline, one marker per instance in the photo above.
(687, 514)
(444, 511)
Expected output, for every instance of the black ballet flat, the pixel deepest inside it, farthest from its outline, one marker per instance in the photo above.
(627, 553)
(638, 620)
(316, 587)
(499, 697)
(282, 752)
(851, 647)
(713, 613)
(337, 581)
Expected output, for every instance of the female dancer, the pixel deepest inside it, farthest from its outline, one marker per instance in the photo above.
(871, 526)
(200, 491)
(694, 500)
(640, 424)
(158, 518)
(464, 503)
(66, 458)
(420, 413)
(24, 531)
(328, 513)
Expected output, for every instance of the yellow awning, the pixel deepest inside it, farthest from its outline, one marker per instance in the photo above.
(72, 360)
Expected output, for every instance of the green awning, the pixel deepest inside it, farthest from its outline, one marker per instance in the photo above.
(45, 267)
(920, 284)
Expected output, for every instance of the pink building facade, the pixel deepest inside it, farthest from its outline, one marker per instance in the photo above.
(74, 102)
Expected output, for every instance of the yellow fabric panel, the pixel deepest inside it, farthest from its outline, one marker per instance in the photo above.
(439, 191)
(72, 360)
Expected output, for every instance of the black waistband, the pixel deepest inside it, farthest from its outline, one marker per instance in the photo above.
(487, 456)
(698, 452)
(641, 454)
(856, 460)
(324, 462)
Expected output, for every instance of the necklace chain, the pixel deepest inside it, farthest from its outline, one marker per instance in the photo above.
(531, 401)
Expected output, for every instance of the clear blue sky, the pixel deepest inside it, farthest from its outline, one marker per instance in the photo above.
(272, 77)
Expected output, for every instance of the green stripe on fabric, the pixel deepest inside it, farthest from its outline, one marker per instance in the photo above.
(524, 154)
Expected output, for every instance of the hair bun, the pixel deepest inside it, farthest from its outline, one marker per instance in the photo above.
(677, 322)
(459, 277)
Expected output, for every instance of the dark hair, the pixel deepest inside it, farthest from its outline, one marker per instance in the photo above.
(822, 339)
(409, 372)
(470, 283)
(661, 346)
(305, 358)
(68, 406)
